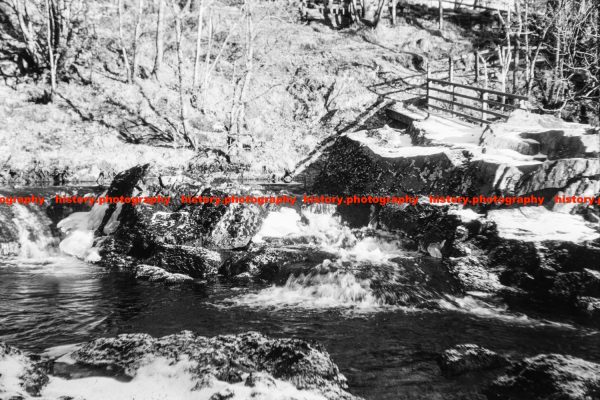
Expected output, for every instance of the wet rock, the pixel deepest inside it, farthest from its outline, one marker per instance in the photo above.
(548, 376)
(22, 376)
(223, 395)
(588, 307)
(226, 226)
(124, 184)
(156, 274)
(196, 262)
(272, 264)
(360, 163)
(259, 378)
(473, 274)
(464, 358)
(553, 274)
(307, 366)
(429, 225)
(177, 238)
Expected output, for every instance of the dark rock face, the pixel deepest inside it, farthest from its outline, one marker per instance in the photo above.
(272, 264)
(227, 358)
(548, 376)
(556, 144)
(473, 274)
(464, 358)
(9, 238)
(353, 168)
(552, 273)
(183, 238)
(33, 376)
(123, 184)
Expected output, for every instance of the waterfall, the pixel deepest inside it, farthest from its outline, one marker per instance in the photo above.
(32, 230)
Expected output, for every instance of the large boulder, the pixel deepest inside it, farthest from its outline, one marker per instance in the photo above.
(548, 377)
(464, 358)
(272, 264)
(245, 359)
(20, 375)
(178, 237)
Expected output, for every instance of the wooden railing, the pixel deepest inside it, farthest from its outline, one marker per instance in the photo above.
(502, 103)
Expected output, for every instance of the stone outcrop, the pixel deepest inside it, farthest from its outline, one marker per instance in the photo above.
(179, 238)
(271, 264)
(21, 376)
(548, 376)
(544, 376)
(226, 358)
(465, 358)
(250, 363)
(547, 253)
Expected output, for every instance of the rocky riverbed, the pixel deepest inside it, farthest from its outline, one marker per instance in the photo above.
(534, 266)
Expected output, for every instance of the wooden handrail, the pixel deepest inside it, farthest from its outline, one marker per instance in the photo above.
(464, 96)
(495, 114)
(467, 116)
(477, 89)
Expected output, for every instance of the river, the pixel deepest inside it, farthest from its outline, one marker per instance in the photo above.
(386, 351)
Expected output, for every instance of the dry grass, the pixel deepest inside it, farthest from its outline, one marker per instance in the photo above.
(308, 81)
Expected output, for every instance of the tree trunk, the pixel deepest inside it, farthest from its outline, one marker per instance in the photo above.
(179, 37)
(50, 43)
(198, 43)
(26, 28)
(121, 40)
(160, 38)
(136, 38)
(379, 12)
(441, 15)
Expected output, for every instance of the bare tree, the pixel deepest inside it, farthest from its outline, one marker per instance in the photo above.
(198, 42)
(136, 39)
(160, 38)
(179, 13)
(51, 57)
(122, 42)
(237, 113)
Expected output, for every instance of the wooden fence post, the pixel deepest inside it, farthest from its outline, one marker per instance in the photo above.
(450, 69)
(427, 84)
(484, 97)
(476, 66)
(516, 71)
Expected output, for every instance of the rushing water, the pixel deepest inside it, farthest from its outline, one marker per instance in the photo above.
(386, 352)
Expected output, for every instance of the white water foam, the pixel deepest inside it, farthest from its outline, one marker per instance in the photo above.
(79, 228)
(11, 368)
(159, 378)
(337, 289)
(329, 233)
(473, 304)
(34, 239)
(324, 287)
